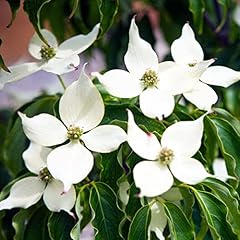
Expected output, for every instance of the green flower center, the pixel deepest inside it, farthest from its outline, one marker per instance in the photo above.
(192, 64)
(45, 175)
(74, 133)
(47, 52)
(150, 78)
(166, 156)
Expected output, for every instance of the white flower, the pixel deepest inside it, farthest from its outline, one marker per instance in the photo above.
(173, 155)
(81, 109)
(220, 170)
(28, 191)
(188, 54)
(155, 83)
(158, 220)
(53, 58)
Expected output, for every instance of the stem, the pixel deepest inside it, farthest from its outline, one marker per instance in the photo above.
(203, 230)
(62, 82)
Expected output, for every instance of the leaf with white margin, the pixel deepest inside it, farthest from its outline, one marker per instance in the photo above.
(139, 225)
(107, 214)
(180, 227)
(214, 212)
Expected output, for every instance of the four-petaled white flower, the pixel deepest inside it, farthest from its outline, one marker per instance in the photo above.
(52, 58)
(155, 83)
(173, 156)
(188, 54)
(81, 109)
(28, 191)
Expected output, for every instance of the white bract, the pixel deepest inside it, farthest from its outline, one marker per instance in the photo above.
(154, 83)
(81, 110)
(220, 170)
(158, 220)
(28, 191)
(188, 54)
(51, 58)
(173, 155)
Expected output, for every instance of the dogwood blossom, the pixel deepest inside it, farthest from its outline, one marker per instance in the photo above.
(154, 83)
(188, 54)
(51, 57)
(28, 191)
(173, 156)
(81, 110)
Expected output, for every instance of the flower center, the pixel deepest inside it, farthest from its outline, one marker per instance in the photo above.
(166, 156)
(74, 133)
(45, 175)
(192, 64)
(47, 52)
(150, 78)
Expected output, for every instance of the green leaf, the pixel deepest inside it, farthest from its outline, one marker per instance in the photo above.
(139, 226)
(225, 7)
(60, 225)
(231, 200)
(74, 9)
(2, 64)
(108, 10)
(16, 142)
(109, 164)
(229, 142)
(18, 222)
(107, 215)
(180, 228)
(32, 224)
(33, 9)
(210, 144)
(133, 202)
(222, 113)
(14, 5)
(215, 213)
(188, 202)
(197, 8)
